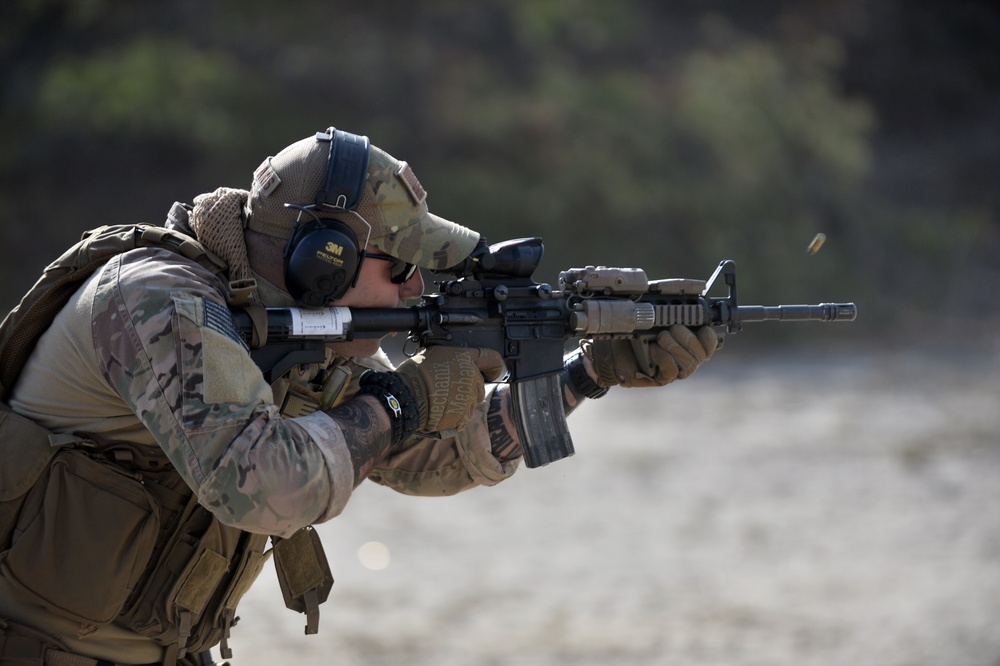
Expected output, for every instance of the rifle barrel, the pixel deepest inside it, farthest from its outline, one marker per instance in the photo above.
(819, 312)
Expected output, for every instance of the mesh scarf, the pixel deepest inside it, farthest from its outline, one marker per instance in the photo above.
(217, 221)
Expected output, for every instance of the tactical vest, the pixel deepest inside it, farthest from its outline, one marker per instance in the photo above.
(104, 531)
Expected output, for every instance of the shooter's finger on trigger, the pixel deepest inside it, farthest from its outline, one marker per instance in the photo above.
(490, 363)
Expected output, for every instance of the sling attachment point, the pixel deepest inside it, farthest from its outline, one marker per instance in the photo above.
(240, 292)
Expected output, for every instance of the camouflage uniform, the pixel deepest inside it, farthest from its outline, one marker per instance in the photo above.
(146, 352)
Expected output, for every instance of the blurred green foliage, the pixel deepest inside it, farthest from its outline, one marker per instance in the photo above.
(662, 135)
(150, 84)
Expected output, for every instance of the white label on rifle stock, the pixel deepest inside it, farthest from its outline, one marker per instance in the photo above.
(320, 323)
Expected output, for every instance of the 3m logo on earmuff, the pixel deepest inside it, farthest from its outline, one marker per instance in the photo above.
(331, 254)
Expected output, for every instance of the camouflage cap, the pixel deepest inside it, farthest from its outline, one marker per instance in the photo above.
(393, 203)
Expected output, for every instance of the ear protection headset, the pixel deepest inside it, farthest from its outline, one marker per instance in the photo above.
(323, 256)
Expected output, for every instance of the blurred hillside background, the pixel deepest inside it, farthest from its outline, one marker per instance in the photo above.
(635, 133)
(835, 507)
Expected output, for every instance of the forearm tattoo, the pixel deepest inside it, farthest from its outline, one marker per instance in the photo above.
(367, 431)
(504, 437)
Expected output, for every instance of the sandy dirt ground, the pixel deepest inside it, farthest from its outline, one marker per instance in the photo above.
(818, 510)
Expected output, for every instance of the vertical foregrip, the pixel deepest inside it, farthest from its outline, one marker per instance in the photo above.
(541, 421)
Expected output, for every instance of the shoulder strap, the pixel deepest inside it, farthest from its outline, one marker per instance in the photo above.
(25, 323)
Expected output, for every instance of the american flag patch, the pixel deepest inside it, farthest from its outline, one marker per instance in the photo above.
(218, 318)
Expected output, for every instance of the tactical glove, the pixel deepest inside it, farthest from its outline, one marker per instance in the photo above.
(674, 354)
(448, 383)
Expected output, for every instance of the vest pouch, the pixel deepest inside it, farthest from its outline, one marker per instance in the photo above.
(303, 574)
(83, 538)
(194, 603)
(252, 559)
(181, 600)
(148, 615)
(25, 452)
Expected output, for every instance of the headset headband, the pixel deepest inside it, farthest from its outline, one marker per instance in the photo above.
(346, 170)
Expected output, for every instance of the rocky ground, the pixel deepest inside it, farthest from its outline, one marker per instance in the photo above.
(815, 510)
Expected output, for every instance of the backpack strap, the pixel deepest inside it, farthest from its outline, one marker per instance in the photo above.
(182, 244)
(22, 327)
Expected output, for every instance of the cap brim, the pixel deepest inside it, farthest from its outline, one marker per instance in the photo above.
(430, 242)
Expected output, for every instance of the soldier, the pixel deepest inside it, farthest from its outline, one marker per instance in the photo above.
(146, 461)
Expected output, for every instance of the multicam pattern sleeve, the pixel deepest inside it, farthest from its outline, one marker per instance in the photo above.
(164, 340)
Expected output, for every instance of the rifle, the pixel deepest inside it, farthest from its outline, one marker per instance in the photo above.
(491, 300)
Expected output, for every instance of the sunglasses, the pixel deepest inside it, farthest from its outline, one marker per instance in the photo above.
(400, 272)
